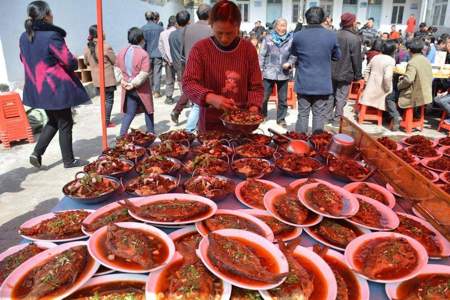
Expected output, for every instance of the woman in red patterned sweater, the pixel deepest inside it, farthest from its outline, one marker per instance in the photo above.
(222, 71)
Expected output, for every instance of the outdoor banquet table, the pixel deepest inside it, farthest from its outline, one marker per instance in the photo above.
(377, 290)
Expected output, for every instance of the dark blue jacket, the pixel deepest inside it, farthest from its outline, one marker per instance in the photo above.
(315, 47)
(151, 35)
(50, 80)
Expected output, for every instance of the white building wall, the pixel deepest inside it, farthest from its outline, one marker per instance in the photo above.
(75, 16)
(3, 71)
(337, 12)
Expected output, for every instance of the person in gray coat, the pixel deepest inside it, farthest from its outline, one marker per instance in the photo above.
(192, 34)
(152, 30)
(276, 61)
(348, 67)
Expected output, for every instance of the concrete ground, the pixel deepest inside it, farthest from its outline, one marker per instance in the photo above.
(26, 192)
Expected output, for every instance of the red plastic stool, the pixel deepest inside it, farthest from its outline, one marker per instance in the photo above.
(291, 95)
(14, 125)
(442, 123)
(368, 113)
(409, 123)
(356, 90)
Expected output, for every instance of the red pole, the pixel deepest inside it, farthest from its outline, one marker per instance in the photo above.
(101, 68)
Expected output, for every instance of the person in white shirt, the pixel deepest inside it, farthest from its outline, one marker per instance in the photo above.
(164, 48)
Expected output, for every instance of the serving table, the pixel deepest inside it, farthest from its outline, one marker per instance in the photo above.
(424, 196)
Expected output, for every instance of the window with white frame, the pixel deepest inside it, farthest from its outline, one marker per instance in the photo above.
(244, 8)
(350, 6)
(296, 10)
(398, 10)
(439, 12)
(327, 6)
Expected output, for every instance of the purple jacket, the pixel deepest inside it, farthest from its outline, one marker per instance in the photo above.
(50, 80)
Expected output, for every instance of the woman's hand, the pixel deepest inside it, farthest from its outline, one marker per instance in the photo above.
(126, 85)
(220, 102)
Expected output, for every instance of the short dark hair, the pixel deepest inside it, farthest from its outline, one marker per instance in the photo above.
(315, 15)
(444, 36)
(377, 45)
(203, 11)
(135, 36)
(225, 11)
(152, 16)
(172, 21)
(422, 25)
(389, 47)
(367, 43)
(415, 45)
(371, 19)
(183, 18)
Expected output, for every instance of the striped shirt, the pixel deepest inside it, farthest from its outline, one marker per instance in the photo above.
(234, 74)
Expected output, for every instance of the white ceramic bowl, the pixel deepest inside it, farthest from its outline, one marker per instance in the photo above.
(409, 149)
(326, 243)
(391, 288)
(183, 197)
(94, 240)
(118, 277)
(350, 207)
(151, 287)
(442, 150)
(251, 237)
(269, 203)
(351, 187)
(241, 199)
(7, 288)
(425, 162)
(97, 213)
(356, 243)
(10, 251)
(443, 176)
(174, 235)
(297, 182)
(268, 234)
(403, 141)
(389, 219)
(14, 249)
(364, 291)
(391, 189)
(445, 245)
(296, 231)
(39, 219)
(321, 265)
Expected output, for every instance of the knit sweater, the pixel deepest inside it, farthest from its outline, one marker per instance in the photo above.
(234, 74)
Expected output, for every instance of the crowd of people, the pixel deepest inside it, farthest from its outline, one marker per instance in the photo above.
(219, 68)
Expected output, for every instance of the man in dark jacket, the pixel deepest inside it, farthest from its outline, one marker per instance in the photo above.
(315, 47)
(423, 31)
(348, 68)
(193, 33)
(368, 32)
(152, 30)
(177, 51)
(176, 41)
(258, 30)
